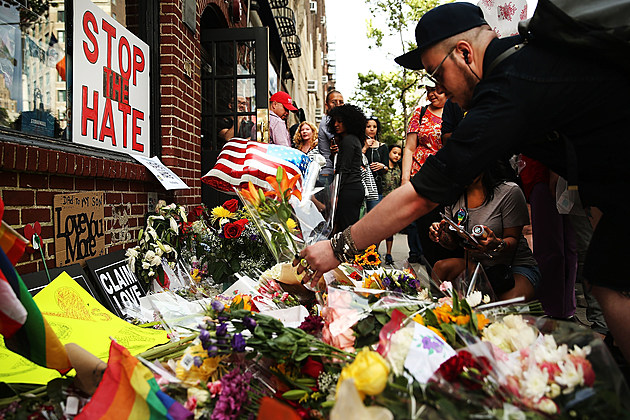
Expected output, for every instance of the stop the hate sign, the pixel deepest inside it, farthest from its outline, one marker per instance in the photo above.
(110, 100)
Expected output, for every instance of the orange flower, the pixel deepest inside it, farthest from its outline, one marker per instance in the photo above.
(482, 321)
(435, 330)
(462, 319)
(251, 194)
(286, 188)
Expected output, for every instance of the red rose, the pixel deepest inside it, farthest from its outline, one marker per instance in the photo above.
(312, 368)
(231, 205)
(234, 230)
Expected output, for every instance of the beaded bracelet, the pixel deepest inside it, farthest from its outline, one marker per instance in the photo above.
(343, 246)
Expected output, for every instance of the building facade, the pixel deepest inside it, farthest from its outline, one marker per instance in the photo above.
(213, 65)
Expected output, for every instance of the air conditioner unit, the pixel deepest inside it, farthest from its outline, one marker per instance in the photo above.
(311, 85)
(323, 20)
(319, 112)
(324, 79)
(313, 6)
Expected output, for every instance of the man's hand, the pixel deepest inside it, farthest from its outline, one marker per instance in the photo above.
(320, 259)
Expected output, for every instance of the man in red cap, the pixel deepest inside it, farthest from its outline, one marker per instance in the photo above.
(280, 104)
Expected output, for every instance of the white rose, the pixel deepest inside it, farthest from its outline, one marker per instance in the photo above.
(149, 255)
(132, 253)
(145, 265)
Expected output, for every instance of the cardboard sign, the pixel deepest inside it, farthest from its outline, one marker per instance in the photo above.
(118, 285)
(110, 67)
(35, 282)
(79, 222)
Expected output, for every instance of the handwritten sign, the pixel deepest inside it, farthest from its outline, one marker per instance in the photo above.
(110, 102)
(79, 226)
(426, 353)
(167, 178)
(117, 284)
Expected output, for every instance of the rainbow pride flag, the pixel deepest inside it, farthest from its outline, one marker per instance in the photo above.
(30, 335)
(129, 390)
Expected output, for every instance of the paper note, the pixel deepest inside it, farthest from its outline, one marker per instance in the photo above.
(427, 352)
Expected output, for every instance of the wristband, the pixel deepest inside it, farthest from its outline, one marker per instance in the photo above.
(500, 247)
(343, 246)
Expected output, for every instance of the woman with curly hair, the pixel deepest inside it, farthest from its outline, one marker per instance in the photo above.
(305, 138)
(348, 123)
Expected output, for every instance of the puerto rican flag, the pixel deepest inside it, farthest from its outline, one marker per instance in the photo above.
(241, 161)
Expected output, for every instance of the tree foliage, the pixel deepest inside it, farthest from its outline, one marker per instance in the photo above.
(392, 96)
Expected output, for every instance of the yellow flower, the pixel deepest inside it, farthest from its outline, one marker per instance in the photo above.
(369, 371)
(196, 275)
(291, 224)
(462, 319)
(220, 213)
(371, 258)
(372, 282)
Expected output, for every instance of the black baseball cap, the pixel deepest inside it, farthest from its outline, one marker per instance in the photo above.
(438, 24)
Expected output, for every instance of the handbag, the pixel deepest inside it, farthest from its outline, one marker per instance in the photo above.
(369, 185)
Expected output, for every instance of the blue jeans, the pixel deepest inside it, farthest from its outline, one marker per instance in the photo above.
(370, 204)
(413, 240)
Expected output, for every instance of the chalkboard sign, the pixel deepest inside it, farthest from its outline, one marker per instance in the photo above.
(35, 282)
(117, 284)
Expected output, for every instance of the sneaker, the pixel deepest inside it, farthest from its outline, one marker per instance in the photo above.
(388, 259)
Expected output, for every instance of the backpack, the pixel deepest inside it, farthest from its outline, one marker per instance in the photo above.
(601, 27)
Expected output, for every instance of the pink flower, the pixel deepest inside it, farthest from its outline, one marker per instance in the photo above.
(587, 369)
(191, 404)
(214, 388)
(446, 286)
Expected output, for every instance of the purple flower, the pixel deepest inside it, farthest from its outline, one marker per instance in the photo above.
(218, 306)
(204, 336)
(234, 395)
(238, 342)
(213, 351)
(222, 329)
(312, 324)
(197, 361)
(249, 323)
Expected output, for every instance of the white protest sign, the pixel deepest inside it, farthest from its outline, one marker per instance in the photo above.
(427, 352)
(110, 71)
(167, 178)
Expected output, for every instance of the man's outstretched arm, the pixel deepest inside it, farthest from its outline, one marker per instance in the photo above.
(390, 216)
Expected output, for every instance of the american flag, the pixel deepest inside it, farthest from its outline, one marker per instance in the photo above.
(243, 160)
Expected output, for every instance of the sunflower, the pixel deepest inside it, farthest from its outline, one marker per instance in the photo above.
(220, 213)
(371, 258)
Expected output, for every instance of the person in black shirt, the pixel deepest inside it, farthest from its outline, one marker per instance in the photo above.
(543, 101)
(348, 122)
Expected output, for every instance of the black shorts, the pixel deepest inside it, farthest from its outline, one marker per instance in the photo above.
(608, 253)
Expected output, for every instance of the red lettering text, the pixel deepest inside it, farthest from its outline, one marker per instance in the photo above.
(135, 130)
(88, 113)
(90, 54)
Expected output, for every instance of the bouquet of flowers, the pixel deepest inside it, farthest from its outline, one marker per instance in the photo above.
(273, 215)
(223, 242)
(158, 241)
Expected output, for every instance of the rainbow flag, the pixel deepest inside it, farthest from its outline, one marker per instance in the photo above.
(129, 390)
(23, 326)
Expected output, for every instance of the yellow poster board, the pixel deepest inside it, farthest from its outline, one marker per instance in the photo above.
(78, 318)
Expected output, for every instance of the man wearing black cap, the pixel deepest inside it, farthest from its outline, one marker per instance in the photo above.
(559, 106)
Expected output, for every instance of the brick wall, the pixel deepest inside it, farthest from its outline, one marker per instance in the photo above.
(30, 177)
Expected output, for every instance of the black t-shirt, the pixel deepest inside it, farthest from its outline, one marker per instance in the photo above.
(349, 161)
(452, 114)
(518, 107)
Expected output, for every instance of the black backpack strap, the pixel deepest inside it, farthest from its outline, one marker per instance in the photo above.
(505, 54)
(422, 112)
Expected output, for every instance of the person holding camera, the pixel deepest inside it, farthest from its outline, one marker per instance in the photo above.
(493, 211)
